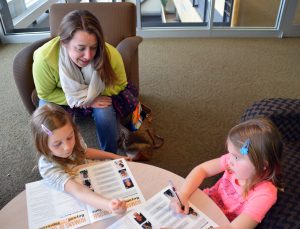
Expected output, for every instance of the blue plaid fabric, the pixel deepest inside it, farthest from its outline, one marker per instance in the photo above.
(285, 113)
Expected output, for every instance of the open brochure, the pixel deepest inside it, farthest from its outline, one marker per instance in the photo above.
(49, 208)
(156, 213)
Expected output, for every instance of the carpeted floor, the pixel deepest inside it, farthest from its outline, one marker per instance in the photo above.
(197, 89)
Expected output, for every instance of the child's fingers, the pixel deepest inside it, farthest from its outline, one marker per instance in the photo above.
(123, 205)
(186, 209)
(180, 209)
(175, 206)
(118, 204)
(114, 204)
(128, 158)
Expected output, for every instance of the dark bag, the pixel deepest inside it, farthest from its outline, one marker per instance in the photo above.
(126, 101)
(140, 144)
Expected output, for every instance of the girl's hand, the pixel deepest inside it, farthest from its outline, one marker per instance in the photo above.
(101, 102)
(176, 205)
(128, 158)
(117, 206)
(116, 156)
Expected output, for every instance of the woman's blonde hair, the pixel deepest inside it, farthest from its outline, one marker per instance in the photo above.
(48, 118)
(83, 20)
(264, 151)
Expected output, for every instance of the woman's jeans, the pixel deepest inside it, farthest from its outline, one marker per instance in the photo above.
(106, 127)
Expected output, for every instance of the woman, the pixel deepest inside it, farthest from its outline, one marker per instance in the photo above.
(79, 69)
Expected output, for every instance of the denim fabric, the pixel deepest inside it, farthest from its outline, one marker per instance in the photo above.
(107, 126)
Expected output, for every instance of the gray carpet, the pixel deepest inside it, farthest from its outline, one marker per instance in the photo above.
(197, 89)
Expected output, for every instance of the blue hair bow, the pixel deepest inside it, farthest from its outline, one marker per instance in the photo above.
(245, 148)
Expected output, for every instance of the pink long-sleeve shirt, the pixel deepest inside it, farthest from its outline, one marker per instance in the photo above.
(228, 195)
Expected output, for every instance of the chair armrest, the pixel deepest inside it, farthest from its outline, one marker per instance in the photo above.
(22, 70)
(128, 49)
(285, 113)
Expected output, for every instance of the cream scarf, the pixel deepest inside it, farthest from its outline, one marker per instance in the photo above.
(81, 87)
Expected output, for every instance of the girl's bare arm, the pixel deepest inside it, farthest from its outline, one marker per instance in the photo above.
(92, 153)
(93, 199)
(194, 180)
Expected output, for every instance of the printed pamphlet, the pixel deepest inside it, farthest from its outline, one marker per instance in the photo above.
(157, 213)
(49, 208)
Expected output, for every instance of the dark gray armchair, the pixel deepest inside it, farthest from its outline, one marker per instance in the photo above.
(285, 113)
(118, 21)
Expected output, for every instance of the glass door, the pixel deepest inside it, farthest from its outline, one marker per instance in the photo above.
(27, 20)
(20, 16)
(209, 18)
(291, 21)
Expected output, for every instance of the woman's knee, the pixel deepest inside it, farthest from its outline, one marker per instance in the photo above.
(105, 116)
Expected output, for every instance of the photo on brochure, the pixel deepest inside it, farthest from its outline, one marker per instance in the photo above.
(156, 212)
(111, 179)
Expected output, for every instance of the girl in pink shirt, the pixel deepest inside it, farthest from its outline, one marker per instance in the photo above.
(248, 187)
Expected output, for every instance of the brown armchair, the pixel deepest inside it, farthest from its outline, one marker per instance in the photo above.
(118, 21)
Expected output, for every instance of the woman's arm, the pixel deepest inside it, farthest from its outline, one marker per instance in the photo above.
(92, 153)
(93, 199)
(45, 75)
(46, 85)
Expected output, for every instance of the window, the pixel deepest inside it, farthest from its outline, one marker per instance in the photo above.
(167, 18)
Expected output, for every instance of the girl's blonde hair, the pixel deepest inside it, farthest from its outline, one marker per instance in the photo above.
(83, 20)
(53, 117)
(264, 151)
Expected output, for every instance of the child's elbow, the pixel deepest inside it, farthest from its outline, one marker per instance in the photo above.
(74, 188)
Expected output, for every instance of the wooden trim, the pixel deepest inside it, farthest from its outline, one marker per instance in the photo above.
(235, 13)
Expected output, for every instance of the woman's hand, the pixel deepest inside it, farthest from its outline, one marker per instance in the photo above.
(101, 102)
(117, 206)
